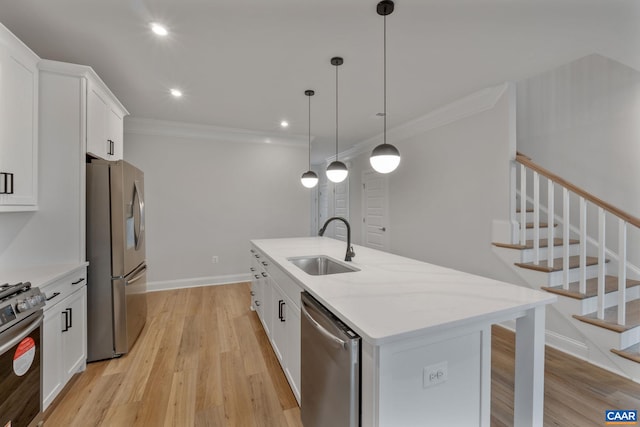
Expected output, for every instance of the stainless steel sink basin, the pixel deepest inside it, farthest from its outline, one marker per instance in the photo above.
(320, 265)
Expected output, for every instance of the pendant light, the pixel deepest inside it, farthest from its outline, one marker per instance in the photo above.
(385, 157)
(309, 178)
(337, 171)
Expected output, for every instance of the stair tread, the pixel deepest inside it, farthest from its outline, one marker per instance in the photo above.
(610, 320)
(542, 225)
(631, 353)
(518, 210)
(610, 285)
(574, 262)
(529, 244)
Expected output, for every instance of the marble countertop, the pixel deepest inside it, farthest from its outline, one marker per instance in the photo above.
(394, 297)
(41, 275)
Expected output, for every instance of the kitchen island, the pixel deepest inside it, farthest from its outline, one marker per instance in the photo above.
(426, 332)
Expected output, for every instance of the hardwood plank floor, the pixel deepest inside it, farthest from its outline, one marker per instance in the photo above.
(204, 360)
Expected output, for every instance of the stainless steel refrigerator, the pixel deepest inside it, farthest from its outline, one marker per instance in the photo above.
(116, 281)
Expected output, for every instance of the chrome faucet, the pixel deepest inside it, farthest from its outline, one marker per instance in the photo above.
(350, 253)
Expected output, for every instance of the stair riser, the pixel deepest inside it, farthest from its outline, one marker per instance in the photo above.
(555, 278)
(544, 233)
(529, 217)
(610, 300)
(527, 254)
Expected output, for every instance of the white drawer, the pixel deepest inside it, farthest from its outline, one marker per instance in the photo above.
(62, 288)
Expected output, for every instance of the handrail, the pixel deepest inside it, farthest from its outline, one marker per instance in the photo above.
(524, 160)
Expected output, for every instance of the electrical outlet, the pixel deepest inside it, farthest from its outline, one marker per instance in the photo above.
(434, 374)
(214, 259)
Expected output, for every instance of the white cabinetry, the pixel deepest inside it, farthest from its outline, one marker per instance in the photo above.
(276, 299)
(18, 125)
(105, 117)
(65, 333)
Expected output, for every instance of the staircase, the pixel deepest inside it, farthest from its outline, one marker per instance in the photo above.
(556, 251)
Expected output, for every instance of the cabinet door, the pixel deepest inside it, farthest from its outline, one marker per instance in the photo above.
(18, 130)
(293, 348)
(278, 325)
(52, 374)
(97, 122)
(116, 134)
(74, 332)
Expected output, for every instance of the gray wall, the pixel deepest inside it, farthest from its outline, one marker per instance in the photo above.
(452, 183)
(207, 197)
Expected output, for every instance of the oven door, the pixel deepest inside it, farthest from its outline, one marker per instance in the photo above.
(20, 367)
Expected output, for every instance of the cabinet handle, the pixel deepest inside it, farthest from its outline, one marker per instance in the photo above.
(253, 293)
(281, 310)
(252, 251)
(55, 294)
(265, 263)
(111, 147)
(66, 321)
(257, 277)
(7, 183)
(80, 280)
(257, 303)
(252, 269)
(70, 310)
(257, 256)
(264, 274)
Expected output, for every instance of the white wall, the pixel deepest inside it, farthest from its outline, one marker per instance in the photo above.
(452, 183)
(581, 122)
(208, 197)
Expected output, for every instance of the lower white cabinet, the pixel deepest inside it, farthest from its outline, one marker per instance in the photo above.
(64, 334)
(279, 312)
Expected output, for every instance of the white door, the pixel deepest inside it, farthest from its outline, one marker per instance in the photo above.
(341, 208)
(375, 210)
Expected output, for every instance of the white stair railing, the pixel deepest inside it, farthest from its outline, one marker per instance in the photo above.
(603, 208)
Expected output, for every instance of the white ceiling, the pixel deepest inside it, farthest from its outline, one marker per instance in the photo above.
(246, 63)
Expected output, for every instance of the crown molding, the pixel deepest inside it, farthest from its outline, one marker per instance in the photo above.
(152, 127)
(470, 105)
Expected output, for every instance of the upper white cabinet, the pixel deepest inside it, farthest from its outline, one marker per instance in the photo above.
(18, 125)
(105, 117)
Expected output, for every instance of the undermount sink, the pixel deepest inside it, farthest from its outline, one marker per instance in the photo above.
(320, 265)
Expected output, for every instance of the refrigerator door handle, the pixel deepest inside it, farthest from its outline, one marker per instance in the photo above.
(140, 236)
(138, 276)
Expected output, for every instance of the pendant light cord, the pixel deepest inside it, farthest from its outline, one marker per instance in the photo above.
(309, 132)
(384, 77)
(336, 112)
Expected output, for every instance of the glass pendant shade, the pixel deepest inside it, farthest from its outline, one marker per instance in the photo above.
(309, 179)
(385, 158)
(337, 171)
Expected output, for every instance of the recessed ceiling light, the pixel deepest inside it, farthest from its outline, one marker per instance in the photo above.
(176, 92)
(284, 124)
(159, 29)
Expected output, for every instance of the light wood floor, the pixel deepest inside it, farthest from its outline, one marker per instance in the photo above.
(203, 360)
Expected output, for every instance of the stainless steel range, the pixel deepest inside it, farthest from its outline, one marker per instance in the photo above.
(20, 354)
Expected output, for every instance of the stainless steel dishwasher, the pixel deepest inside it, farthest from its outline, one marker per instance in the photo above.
(330, 368)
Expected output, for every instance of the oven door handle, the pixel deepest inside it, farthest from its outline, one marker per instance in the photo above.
(22, 333)
(334, 339)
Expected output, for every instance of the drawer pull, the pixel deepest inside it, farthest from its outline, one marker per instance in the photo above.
(253, 293)
(80, 280)
(257, 303)
(264, 274)
(265, 263)
(55, 294)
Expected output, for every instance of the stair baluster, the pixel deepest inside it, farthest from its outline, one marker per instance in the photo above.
(622, 271)
(583, 245)
(566, 221)
(550, 221)
(536, 218)
(601, 261)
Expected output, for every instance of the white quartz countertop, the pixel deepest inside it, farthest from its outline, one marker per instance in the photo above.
(394, 297)
(41, 275)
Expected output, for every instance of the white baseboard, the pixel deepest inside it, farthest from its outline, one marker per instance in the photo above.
(195, 282)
